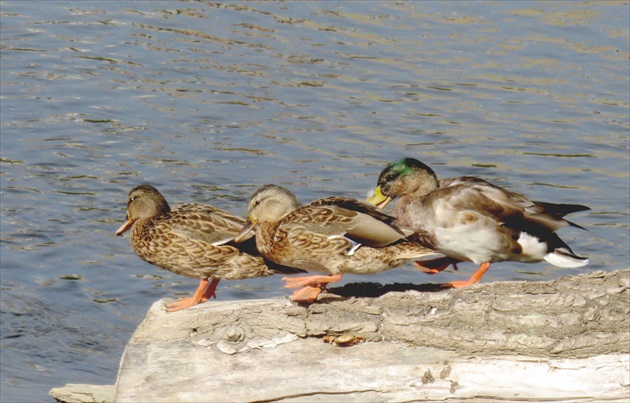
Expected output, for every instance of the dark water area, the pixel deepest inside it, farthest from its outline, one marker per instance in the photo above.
(208, 101)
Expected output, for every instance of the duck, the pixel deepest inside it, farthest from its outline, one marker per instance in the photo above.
(469, 219)
(335, 236)
(192, 240)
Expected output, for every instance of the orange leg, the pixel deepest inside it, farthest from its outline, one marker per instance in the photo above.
(312, 286)
(210, 291)
(435, 265)
(204, 292)
(474, 279)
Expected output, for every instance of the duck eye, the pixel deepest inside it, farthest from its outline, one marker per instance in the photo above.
(257, 202)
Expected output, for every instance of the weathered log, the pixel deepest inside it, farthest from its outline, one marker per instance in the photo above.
(564, 340)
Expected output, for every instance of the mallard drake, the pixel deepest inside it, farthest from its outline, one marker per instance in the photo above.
(193, 240)
(335, 235)
(469, 219)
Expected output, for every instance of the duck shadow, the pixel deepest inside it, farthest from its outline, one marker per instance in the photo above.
(374, 290)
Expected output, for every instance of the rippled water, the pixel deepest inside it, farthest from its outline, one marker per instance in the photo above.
(208, 101)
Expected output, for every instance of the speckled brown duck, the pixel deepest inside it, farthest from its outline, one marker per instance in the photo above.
(469, 219)
(191, 240)
(334, 236)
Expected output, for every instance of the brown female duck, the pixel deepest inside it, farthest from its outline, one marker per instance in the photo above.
(334, 235)
(469, 219)
(192, 240)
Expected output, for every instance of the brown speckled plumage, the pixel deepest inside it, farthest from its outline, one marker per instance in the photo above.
(191, 240)
(334, 235)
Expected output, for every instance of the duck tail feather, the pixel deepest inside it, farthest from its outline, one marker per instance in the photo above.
(576, 225)
(562, 209)
(562, 257)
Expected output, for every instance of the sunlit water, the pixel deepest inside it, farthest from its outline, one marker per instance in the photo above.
(207, 102)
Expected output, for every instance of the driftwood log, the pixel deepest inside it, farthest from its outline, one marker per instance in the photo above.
(563, 340)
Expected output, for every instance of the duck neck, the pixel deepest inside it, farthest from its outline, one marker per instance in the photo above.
(265, 236)
(422, 184)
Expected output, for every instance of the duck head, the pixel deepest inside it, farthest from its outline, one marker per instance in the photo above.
(403, 177)
(269, 203)
(144, 201)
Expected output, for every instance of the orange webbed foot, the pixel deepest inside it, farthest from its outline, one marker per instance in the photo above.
(180, 304)
(312, 286)
(313, 281)
(474, 279)
(204, 292)
(306, 294)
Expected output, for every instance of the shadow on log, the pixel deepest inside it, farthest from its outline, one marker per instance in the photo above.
(564, 340)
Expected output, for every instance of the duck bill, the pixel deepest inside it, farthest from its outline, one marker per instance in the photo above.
(379, 199)
(244, 232)
(125, 227)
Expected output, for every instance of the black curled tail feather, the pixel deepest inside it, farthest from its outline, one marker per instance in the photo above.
(560, 210)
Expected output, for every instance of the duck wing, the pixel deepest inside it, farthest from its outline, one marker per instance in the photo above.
(205, 223)
(354, 205)
(510, 209)
(332, 220)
